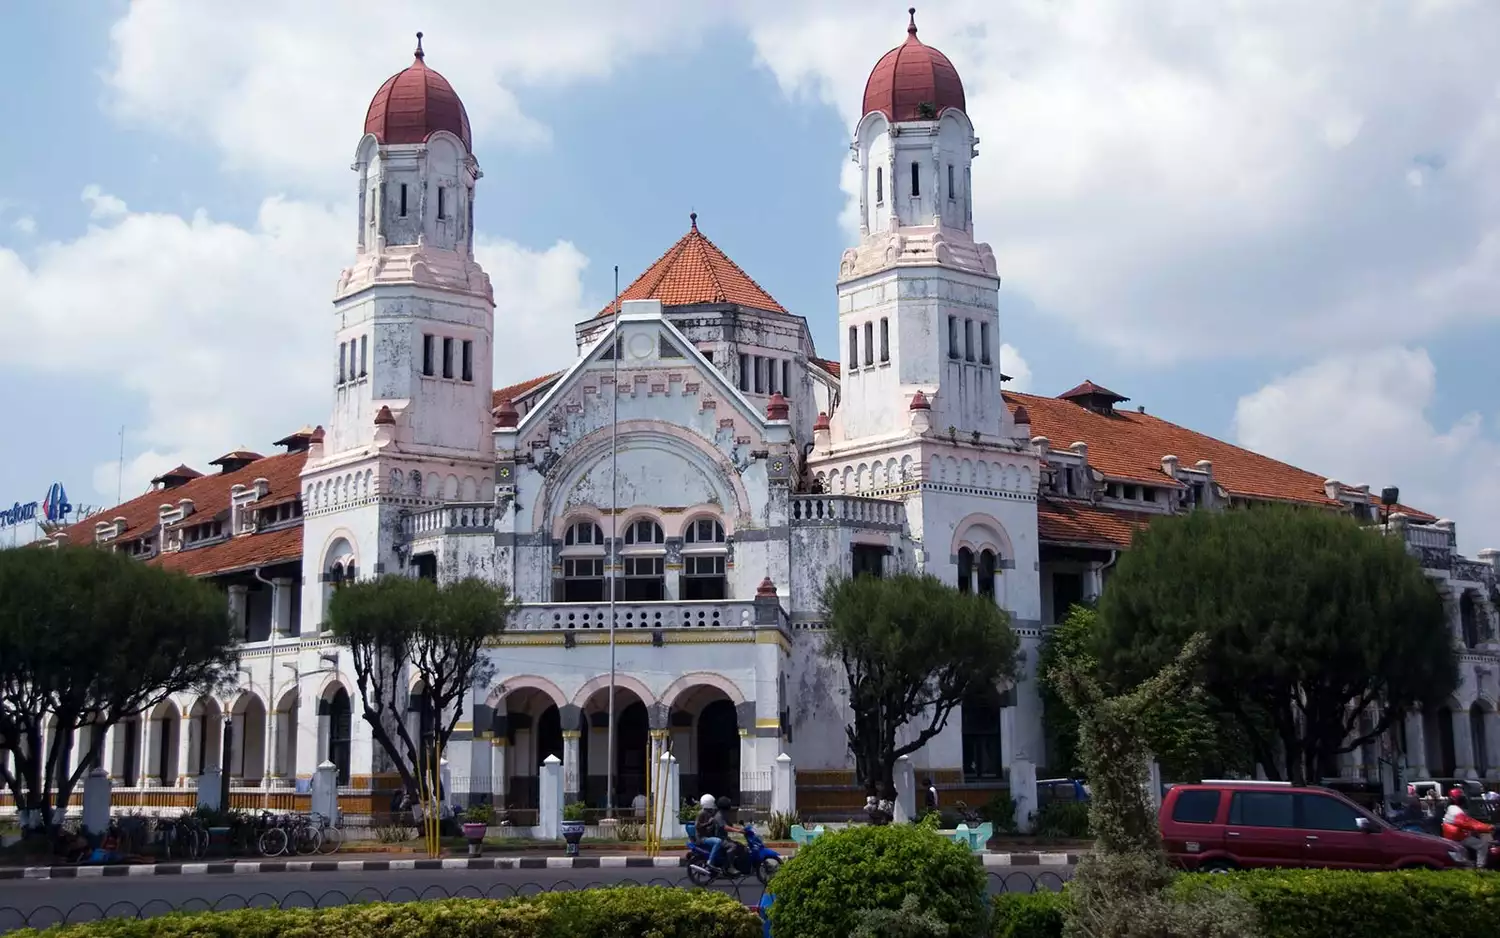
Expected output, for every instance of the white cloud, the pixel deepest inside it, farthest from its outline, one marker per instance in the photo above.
(26, 225)
(1164, 181)
(101, 203)
(1014, 365)
(281, 87)
(538, 298)
(1362, 418)
(223, 330)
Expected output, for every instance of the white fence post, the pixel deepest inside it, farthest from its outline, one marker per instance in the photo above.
(667, 825)
(1153, 783)
(1023, 790)
(549, 819)
(208, 789)
(325, 791)
(906, 791)
(784, 786)
(97, 789)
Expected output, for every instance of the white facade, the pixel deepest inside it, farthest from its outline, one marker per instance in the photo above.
(699, 464)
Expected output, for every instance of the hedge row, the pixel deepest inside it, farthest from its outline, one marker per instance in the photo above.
(1315, 904)
(622, 912)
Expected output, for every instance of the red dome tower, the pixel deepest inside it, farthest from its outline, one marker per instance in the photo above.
(913, 81)
(415, 103)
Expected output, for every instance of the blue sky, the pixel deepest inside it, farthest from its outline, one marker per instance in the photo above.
(1276, 227)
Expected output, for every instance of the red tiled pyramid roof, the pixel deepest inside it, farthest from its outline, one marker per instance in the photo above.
(694, 271)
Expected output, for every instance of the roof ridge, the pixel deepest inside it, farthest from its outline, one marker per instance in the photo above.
(707, 257)
(741, 271)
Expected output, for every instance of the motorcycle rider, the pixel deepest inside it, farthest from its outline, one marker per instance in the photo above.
(706, 828)
(723, 828)
(1459, 827)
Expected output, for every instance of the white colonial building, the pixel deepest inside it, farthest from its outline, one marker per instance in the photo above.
(700, 466)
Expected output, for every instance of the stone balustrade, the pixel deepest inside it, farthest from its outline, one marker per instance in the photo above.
(450, 518)
(720, 614)
(848, 510)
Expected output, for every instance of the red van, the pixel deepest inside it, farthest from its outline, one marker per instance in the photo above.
(1217, 826)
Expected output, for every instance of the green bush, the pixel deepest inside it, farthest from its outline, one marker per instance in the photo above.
(1407, 904)
(1029, 915)
(1000, 811)
(1313, 904)
(821, 891)
(1063, 819)
(627, 912)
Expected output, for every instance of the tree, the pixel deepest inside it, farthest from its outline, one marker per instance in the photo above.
(400, 628)
(1190, 739)
(1123, 888)
(1310, 620)
(89, 638)
(912, 650)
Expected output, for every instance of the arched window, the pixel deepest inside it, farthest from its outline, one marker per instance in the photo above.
(704, 561)
(340, 732)
(879, 185)
(643, 533)
(965, 570)
(644, 562)
(582, 564)
(987, 573)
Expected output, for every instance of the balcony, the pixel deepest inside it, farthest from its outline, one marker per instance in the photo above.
(852, 511)
(718, 614)
(450, 518)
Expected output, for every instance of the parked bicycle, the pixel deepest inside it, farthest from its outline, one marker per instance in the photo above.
(185, 837)
(297, 834)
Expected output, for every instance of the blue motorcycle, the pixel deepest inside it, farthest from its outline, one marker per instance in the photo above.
(752, 859)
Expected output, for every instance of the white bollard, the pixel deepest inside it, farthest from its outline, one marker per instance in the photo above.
(97, 789)
(906, 791)
(325, 791)
(208, 789)
(666, 823)
(784, 786)
(549, 820)
(1023, 790)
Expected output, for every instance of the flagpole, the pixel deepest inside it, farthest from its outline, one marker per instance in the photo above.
(614, 515)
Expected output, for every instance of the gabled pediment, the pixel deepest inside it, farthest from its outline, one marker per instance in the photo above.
(662, 377)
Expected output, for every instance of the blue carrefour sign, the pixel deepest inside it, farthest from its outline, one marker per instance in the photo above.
(53, 509)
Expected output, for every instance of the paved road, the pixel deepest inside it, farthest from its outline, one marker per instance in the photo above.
(44, 902)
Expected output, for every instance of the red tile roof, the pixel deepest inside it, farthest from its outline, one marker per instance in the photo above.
(694, 271)
(912, 77)
(181, 472)
(1060, 521)
(515, 391)
(832, 367)
(1129, 445)
(237, 553)
(210, 497)
(415, 103)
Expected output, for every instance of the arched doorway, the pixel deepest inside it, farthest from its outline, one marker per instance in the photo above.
(717, 746)
(247, 753)
(161, 761)
(534, 732)
(207, 728)
(632, 748)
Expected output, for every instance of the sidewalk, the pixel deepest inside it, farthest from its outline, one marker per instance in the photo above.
(369, 863)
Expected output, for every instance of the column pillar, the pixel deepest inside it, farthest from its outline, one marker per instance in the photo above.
(748, 781)
(1416, 746)
(185, 751)
(147, 763)
(570, 765)
(1492, 744)
(1463, 744)
(498, 771)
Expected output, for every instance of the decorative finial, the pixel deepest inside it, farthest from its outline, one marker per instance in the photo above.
(911, 28)
(693, 217)
(419, 44)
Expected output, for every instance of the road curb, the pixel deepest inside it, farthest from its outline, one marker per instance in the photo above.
(243, 867)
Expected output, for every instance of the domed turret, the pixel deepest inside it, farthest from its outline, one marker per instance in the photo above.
(415, 103)
(913, 81)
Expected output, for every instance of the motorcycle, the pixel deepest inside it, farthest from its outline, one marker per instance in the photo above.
(754, 858)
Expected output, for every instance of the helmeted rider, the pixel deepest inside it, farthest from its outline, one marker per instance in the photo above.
(706, 829)
(1459, 827)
